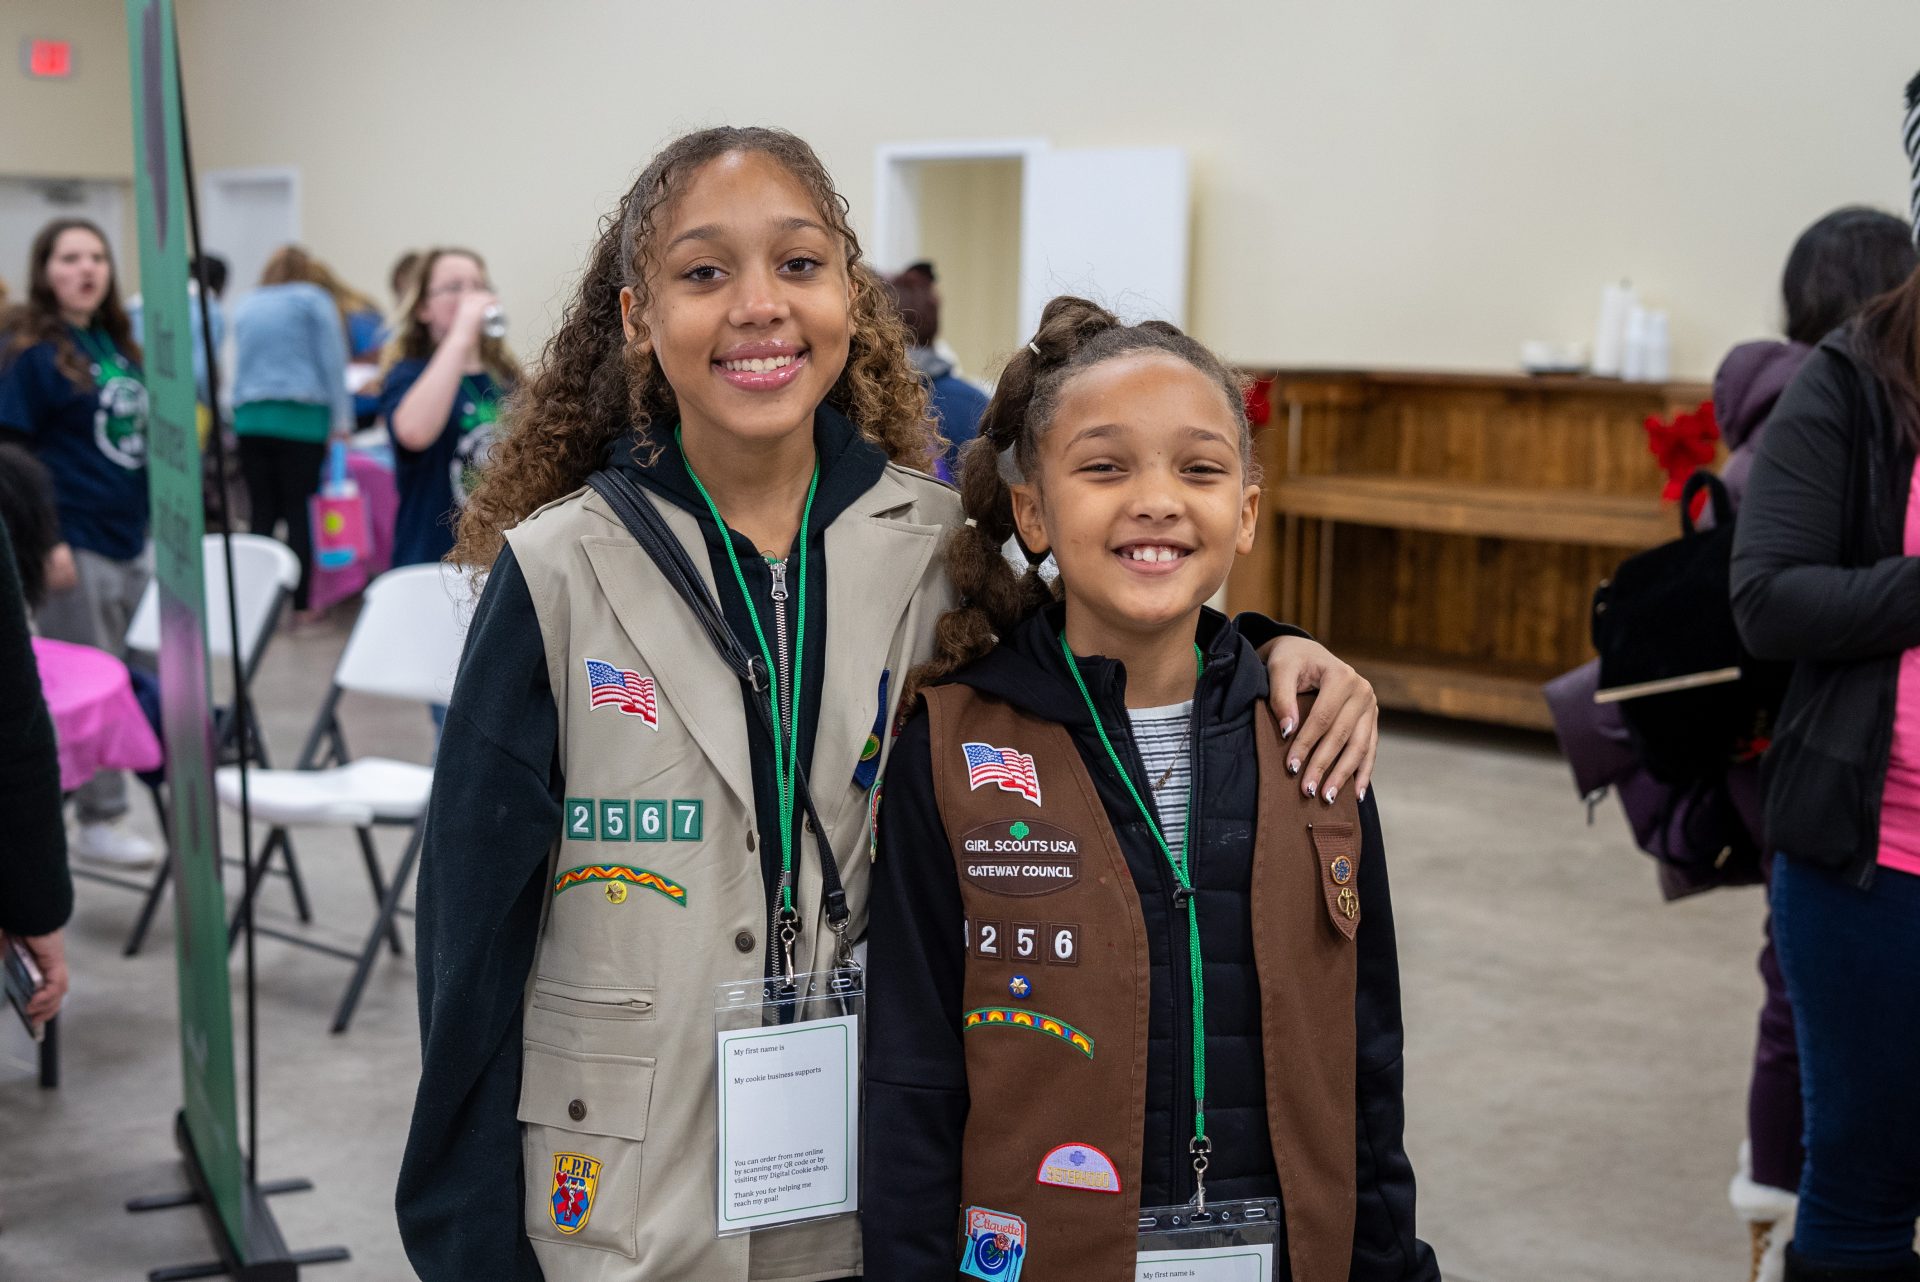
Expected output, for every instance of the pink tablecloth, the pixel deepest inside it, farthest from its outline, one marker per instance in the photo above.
(374, 476)
(95, 716)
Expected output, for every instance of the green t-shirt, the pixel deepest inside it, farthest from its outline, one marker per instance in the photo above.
(288, 420)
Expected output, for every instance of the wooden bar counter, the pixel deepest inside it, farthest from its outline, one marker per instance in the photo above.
(1444, 532)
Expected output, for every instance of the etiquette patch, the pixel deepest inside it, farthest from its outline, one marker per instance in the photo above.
(996, 1245)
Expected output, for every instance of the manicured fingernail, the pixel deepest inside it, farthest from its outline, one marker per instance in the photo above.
(1361, 795)
(1311, 785)
(1293, 766)
(1329, 797)
(1286, 728)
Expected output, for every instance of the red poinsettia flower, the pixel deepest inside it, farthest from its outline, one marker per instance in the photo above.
(1683, 444)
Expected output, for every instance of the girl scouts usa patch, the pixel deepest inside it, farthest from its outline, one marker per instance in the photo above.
(575, 1177)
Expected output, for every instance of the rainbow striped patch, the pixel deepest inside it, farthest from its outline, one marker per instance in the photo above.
(1033, 1021)
(588, 874)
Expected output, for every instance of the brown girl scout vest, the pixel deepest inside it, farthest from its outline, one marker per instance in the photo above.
(1058, 1082)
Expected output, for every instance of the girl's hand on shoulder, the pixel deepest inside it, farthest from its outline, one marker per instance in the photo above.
(1341, 736)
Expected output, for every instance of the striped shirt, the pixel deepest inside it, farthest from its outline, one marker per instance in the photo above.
(1161, 734)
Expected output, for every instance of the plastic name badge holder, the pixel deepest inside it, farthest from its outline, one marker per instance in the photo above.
(789, 1098)
(1227, 1242)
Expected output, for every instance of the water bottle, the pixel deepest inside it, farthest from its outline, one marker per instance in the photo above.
(493, 322)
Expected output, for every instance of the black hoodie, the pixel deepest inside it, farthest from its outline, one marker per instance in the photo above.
(917, 1098)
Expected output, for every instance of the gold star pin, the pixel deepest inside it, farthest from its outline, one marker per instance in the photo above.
(617, 892)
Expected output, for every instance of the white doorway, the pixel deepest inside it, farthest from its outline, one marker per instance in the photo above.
(28, 204)
(1008, 224)
(245, 215)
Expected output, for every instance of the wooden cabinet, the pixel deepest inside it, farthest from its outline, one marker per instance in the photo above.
(1444, 532)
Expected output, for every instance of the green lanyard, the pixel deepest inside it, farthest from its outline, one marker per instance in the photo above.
(786, 757)
(1202, 1145)
(484, 403)
(101, 351)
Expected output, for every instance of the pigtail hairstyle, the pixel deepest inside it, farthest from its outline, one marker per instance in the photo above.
(1074, 336)
(593, 387)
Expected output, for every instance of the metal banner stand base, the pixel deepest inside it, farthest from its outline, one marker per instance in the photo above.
(263, 1257)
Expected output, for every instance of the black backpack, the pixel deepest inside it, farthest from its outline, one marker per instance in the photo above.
(1694, 700)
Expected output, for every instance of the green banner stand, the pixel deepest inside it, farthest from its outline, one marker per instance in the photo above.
(223, 1183)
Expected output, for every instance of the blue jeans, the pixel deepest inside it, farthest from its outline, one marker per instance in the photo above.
(1852, 963)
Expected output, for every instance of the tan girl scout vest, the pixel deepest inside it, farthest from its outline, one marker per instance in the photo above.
(655, 887)
(1058, 1078)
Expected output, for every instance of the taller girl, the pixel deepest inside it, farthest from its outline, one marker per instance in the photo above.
(728, 353)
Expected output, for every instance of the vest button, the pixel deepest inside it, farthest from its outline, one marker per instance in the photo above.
(744, 941)
(577, 1110)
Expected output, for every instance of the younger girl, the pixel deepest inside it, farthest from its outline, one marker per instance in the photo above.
(1114, 955)
(441, 398)
(70, 385)
(612, 832)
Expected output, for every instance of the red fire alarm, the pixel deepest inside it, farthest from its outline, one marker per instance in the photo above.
(49, 59)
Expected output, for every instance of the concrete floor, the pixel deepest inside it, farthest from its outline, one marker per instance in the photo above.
(1576, 1051)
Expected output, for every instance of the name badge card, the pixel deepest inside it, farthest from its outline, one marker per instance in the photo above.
(789, 1092)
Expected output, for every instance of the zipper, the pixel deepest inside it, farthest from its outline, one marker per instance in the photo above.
(1196, 784)
(1871, 801)
(1179, 1173)
(783, 662)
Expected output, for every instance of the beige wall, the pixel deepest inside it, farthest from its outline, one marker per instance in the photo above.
(1379, 182)
(970, 232)
(73, 128)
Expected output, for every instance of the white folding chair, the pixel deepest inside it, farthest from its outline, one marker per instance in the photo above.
(265, 573)
(405, 646)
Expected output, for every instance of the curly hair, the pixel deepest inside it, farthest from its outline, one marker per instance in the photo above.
(38, 319)
(594, 387)
(1074, 336)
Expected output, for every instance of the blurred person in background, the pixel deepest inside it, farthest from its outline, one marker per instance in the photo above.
(955, 404)
(36, 889)
(71, 389)
(440, 397)
(1826, 575)
(207, 273)
(1835, 267)
(289, 396)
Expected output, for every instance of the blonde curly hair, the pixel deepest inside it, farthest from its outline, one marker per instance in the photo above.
(593, 386)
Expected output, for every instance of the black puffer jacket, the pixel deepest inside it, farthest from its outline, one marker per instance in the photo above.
(917, 1099)
(1819, 578)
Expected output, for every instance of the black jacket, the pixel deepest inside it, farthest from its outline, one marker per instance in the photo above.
(917, 1098)
(495, 812)
(36, 891)
(1819, 577)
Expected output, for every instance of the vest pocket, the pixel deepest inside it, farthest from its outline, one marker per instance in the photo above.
(583, 1126)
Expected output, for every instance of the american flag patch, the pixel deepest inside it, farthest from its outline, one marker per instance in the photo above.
(622, 688)
(1011, 771)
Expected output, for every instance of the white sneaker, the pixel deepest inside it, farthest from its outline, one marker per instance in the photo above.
(109, 843)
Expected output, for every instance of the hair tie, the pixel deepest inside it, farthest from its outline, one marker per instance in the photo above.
(1034, 348)
(972, 524)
